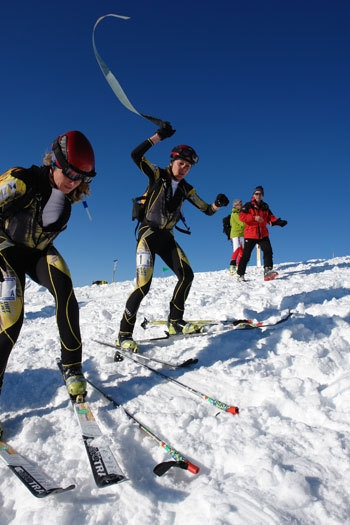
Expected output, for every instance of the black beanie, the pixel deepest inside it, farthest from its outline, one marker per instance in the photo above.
(259, 188)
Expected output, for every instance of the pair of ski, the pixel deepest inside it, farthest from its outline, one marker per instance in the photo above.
(104, 466)
(227, 325)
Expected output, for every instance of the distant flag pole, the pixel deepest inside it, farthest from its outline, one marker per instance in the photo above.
(87, 210)
(115, 262)
(258, 256)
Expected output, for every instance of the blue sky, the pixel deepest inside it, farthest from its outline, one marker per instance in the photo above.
(259, 89)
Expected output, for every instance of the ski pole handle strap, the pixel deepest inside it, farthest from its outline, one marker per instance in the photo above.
(111, 79)
(162, 468)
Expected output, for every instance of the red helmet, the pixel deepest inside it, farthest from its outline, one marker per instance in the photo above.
(184, 152)
(74, 154)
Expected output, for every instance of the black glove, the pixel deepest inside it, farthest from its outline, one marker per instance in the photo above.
(221, 200)
(280, 222)
(165, 131)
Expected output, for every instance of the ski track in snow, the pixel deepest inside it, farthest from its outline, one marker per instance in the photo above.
(283, 460)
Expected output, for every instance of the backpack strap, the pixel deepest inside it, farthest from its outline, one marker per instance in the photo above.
(187, 231)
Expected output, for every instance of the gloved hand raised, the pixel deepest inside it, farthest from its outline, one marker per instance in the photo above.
(280, 222)
(221, 200)
(165, 131)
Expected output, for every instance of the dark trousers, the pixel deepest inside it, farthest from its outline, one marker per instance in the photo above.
(48, 269)
(249, 244)
(162, 243)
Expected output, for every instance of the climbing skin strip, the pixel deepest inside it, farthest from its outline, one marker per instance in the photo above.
(112, 81)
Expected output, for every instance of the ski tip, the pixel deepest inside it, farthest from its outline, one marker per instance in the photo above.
(110, 479)
(233, 410)
(59, 490)
(188, 363)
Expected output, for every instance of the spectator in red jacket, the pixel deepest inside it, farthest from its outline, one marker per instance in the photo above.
(256, 215)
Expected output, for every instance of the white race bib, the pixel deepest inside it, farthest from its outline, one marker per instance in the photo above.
(8, 289)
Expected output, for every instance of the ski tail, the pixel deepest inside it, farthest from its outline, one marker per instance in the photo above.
(30, 474)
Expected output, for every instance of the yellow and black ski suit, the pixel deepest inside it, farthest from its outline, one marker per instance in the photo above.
(26, 249)
(156, 237)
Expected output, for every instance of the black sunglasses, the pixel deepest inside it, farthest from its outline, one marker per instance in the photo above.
(187, 154)
(71, 174)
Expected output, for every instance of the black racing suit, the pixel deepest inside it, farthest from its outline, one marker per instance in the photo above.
(26, 249)
(156, 237)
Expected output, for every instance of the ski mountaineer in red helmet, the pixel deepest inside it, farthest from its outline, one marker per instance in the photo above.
(167, 191)
(35, 206)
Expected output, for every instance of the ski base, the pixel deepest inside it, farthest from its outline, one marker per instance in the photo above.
(31, 475)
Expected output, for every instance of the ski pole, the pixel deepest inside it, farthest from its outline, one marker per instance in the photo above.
(179, 460)
(218, 404)
(165, 364)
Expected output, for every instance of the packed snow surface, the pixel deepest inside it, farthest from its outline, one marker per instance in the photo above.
(284, 459)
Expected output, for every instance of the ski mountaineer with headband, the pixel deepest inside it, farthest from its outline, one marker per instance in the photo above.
(35, 206)
(167, 191)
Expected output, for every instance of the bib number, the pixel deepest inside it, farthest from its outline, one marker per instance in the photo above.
(143, 260)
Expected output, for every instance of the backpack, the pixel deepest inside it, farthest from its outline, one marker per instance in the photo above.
(138, 208)
(226, 226)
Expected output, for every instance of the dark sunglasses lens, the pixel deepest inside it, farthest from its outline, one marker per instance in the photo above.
(72, 175)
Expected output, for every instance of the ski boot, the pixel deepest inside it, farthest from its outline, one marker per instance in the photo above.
(269, 273)
(126, 342)
(233, 269)
(241, 278)
(75, 381)
(182, 327)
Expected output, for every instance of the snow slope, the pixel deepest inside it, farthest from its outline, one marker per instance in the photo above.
(283, 460)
